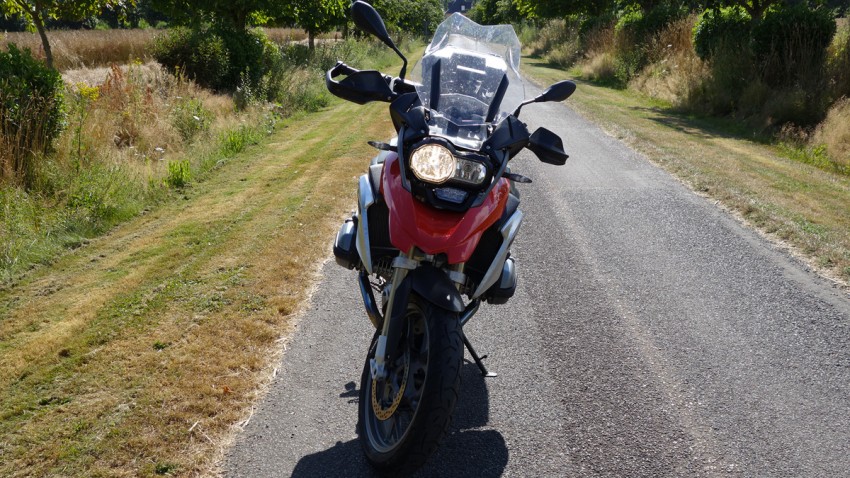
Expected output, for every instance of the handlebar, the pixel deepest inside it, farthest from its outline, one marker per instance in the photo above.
(365, 86)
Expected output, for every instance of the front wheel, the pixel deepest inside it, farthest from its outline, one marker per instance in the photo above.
(403, 418)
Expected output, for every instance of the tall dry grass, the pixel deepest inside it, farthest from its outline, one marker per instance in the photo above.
(675, 73)
(88, 48)
(283, 36)
(834, 134)
(599, 57)
(558, 42)
(21, 144)
(75, 49)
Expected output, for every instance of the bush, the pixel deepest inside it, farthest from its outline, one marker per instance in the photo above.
(634, 31)
(199, 55)
(31, 112)
(558, 41)
(790, 45)
(251, 54)
(725, 28)
(217, 58)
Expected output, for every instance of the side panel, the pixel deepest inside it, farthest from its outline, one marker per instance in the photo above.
(509, 231)
(366, 197)
(413, 223)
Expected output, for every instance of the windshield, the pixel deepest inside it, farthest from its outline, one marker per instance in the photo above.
(469, 76)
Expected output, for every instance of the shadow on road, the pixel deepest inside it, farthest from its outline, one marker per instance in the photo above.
(464, 452)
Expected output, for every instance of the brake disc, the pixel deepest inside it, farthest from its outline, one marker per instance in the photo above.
(385, 413)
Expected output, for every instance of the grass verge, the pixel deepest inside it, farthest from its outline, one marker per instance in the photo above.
(790, 200)
(136, 354)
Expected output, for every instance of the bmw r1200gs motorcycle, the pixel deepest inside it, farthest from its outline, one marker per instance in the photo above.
(436, 217)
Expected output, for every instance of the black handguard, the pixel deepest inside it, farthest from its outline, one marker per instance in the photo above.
(358, 86)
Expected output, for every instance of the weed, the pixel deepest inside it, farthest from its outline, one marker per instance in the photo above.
(179, 174)
(164, 468)
(190, 118)
(235, 141)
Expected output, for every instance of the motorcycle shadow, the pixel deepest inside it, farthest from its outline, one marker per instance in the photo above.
(464, 452)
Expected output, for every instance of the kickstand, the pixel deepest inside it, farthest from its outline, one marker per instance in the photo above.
(478, 360)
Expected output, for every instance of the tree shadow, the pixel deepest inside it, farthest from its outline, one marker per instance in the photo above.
(464, 451)
(703, 127)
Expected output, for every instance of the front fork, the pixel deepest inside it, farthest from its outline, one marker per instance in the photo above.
(402, 265)
(393, 319)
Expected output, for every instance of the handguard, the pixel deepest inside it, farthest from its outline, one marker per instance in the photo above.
(358, 86)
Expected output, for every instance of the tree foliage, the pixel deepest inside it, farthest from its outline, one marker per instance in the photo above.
(495, 12)
(410, 16)
(234, 15)
(316, 16)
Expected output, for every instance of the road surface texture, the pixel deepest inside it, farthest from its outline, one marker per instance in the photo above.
(651, 335)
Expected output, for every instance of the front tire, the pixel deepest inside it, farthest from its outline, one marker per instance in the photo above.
(403, 419)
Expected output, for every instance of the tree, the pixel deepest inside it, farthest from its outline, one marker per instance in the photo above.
(562, 8)
(235, 15)
(37, 12)
(317, 16)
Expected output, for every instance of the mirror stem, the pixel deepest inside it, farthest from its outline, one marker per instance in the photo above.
(518, 108)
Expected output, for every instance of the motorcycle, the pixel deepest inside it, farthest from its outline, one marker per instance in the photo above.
(437, 214)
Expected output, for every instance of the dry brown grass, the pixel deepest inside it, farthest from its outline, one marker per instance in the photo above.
(137, 116)
(285, 35)
(88, 48)
(674, 72)
(834, 133)
(599, 63)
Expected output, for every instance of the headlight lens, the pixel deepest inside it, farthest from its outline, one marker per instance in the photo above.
(433, 163)
(470, 172)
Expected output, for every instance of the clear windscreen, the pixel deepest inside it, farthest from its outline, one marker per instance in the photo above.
(469, 77)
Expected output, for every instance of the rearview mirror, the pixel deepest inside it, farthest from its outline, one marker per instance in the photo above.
(557, 92)
(369, 20)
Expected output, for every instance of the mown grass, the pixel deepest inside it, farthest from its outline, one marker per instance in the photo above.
(787, 198)
(138, 354)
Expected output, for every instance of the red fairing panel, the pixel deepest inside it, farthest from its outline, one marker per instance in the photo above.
(413, 223)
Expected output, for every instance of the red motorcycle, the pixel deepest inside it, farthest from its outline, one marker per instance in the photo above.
(436, 217)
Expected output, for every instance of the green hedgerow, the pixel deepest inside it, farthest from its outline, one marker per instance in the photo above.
(32, 112)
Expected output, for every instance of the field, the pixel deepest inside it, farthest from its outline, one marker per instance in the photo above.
(73, 49)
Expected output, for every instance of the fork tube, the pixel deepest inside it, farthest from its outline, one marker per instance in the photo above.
(378, 367)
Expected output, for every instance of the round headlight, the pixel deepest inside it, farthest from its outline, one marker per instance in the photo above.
(433, 163)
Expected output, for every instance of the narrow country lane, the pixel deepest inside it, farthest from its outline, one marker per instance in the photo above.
(651, 335)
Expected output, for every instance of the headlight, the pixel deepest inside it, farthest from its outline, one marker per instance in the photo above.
(433, 163)
(470, 172)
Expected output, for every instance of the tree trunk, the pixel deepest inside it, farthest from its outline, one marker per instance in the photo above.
(36, 12)
(38, 21)
(311, 39)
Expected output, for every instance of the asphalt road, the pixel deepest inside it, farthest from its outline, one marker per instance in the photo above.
(651, 335)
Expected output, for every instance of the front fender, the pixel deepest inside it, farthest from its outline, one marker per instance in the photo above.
(436, 287)
(431, 284)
